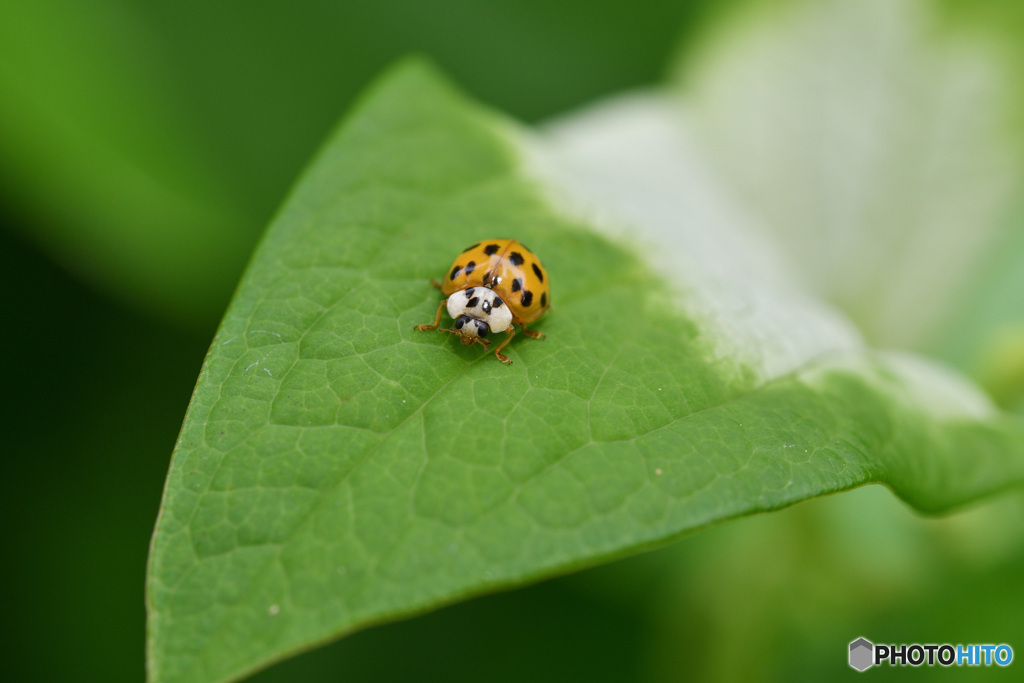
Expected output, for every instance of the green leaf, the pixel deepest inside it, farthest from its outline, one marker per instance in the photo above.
(338, 469)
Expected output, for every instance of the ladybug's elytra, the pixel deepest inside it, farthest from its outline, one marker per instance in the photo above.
(490, 287)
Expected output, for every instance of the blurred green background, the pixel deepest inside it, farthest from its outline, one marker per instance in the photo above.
(143, 147)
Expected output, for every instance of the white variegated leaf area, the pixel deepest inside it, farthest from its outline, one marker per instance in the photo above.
(823, 173)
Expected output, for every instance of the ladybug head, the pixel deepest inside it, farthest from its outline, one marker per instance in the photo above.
(471, 329)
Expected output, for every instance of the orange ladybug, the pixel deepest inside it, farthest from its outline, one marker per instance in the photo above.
(490, 287)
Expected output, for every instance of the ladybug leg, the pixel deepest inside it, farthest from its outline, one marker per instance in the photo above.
(437, 319)
(435, 284)
(497, 352)
(531, 333)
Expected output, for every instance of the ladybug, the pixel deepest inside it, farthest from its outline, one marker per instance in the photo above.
(490, 287)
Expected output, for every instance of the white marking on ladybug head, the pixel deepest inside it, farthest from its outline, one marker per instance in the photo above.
(478, 311)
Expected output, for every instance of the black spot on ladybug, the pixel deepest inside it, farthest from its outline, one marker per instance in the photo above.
(517, 284)
(473, 302)
(527, 298)
(516, 258)
(469, 292)
(481, 328)
(471, 248)
(491, 249)
(470, 267)
(460, 322)
(537, 272)
(498, 303)
(455, 272)
(543, 299)
(487, 279)
(486, 307)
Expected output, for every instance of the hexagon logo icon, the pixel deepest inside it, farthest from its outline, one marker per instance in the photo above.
(862, 654)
